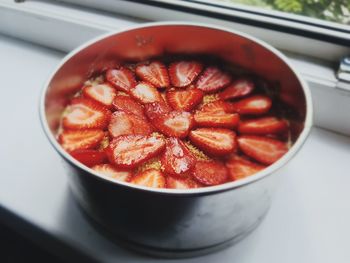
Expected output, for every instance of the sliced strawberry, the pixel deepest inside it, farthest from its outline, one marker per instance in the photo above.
(181, 183)
(238, 89)
(128, 151)
(150, 178)
(84, 113)
(266, 125)
(183, 73)
(240, 167)
(218, 106)
(155, 73)
(123, 123)
(262, 149)
(72, 140)
(213, 79)
(258, 104)
(210, 172)
(89, 157)
(113, 172)
(146, 93)
(123, 79)
(214, 141)
(128, 105)
(156, 109)
(184, 100)
(177, 159)
(102, 93)
(174, 124)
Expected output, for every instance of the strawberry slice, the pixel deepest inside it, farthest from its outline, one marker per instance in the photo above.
(123, 123)
(84, 113)
(174, 124)
(150, 178)
(184, 100)
(210, 172)
(128, 105)
(214, 141)
(238, 89)
(102, 93)
(128, 151)
(177, 159)
(181, 183)
(145, 93)
(258, 104)
(113, 172)
(240, 167)
(156, 109)
(122, 78)
(155, 73)
(213, 79)
(183, 73)
(89, 157)
(266, 125)
(72, 140)
(262, 149)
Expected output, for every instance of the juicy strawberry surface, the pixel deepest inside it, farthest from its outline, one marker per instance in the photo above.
(174, 124)
(123, 79)
(266, 125)
(184, 100)
(155, 73)
(89, 157)
(145, 93)
(102, 93)
(128, 105)
(240, 167)
(258, 104)
(183, 73)
(210, 172)
(156, 109)
(238, 89)
(150, 178)
(72, 140)
(113, 172)
(181, 183)
(213, 79)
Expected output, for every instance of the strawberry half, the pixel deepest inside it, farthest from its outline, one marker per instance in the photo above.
(174, 124)
(156, 109)
(128, 105)
(102, 93)
(123, 79)
(266, 125)
(214, 141)
(262, 149)
(84, 113)
(177, 159)
(183, 73)
(210, 172)
(150, 178)
(181, 183)
(155, 73)
(113, 172)
(238, 89)
(72, 140)
(89, 157)
(145, 93)
(213, 79)
(128, 151)
(240, 167)
(123, 123)
(258, 104)
(184, 100)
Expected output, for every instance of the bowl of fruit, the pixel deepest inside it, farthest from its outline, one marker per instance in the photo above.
(173, 133)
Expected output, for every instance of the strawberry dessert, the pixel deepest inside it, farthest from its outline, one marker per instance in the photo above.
(175, 123)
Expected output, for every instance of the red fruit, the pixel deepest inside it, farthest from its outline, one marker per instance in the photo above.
(123, 123)
(184, 100)
(266, 125)
(218, 107)
(240, 168)
(128, 151)
(177, 159)
(128, 105)
(210, 172)
(123, 79)
(214, 141)
(89, 157)
(262, 149)
(102, 93)
(154, 73)
(239, 88)
(150, 178)
(174, 124)
(80, 139)
(183, 73)
(253, 105)
(213, 79)
(181, 183)
(113, 172)
(156, 109)
(85, 114)
(146, 93)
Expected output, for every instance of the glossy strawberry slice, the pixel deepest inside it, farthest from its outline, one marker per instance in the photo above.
(181, 183)
(150, 178)
(238, 89)
(146, 93)
(174, 124)
(240, 167)
(210, 172)
(177, 159)
(266, 125)
(214, 141)
(123, 123)
(183, 73)
(258, 104)
(84, 113)
(128, 105)
(184, 100)
(262, 149)
(102, 93)
(128, 151)
(213, 79)
(156, 109)
(72, 140)
(113, 172)
(155, 73)
(89, 157)
(122, 78)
